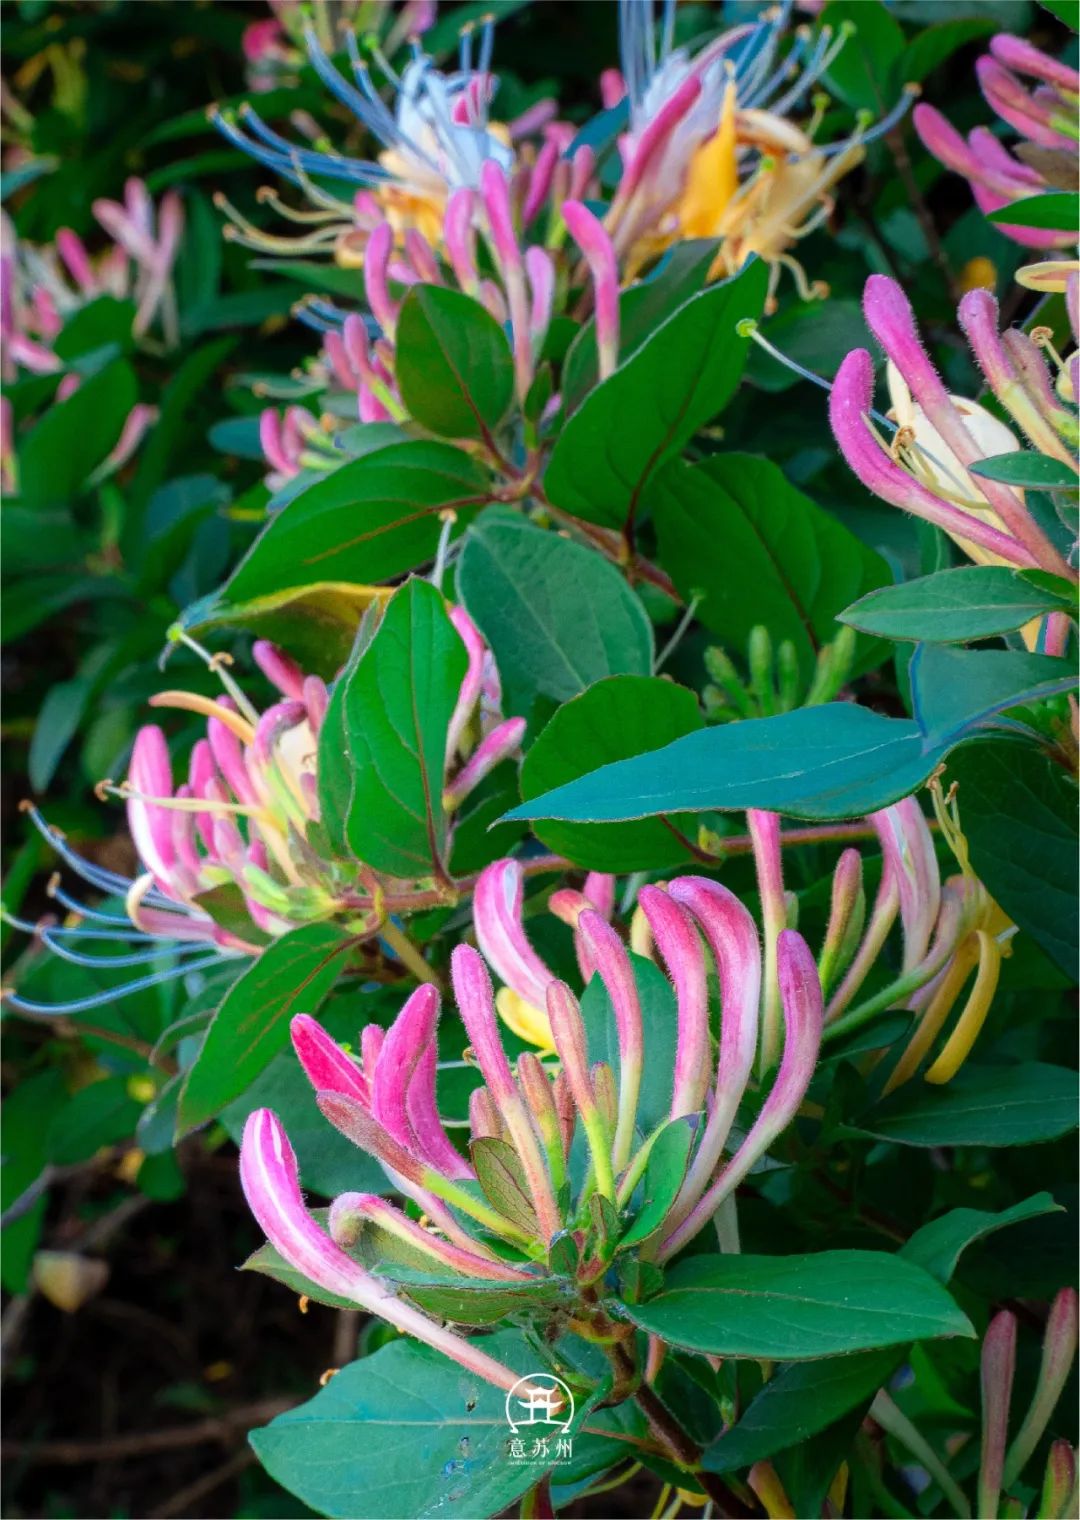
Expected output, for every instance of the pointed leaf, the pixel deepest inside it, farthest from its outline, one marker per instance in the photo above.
(452, 363)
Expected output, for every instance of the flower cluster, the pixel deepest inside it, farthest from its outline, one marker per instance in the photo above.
(926, 466)
(42, 288)
(1044, 118)
(557, 1157)
(947, 930)
(232, 856)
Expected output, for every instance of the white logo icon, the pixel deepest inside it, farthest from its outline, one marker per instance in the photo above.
(539, 1399)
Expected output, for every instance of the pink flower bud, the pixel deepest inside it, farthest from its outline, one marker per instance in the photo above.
(150, 775)
(498, 900)
(1058, 1355)
(502, 743)
(325, 1064)
(908, 849)
(605, 951)
(472, 682)
(496, 197)
(997, 1367)
(1058, 1499)
(849, 405)
(679, 946)
(540, 181)
(380, 246)
(459, 239)
(599, 251)
(279, 669)
(1017, 54)
(1005, 94)
(72, 249)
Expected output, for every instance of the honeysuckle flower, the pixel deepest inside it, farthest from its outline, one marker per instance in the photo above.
(242, 820)
(712, 150)
(436, 140)
(40, 288)
(525, 1118)
(925, 466)
(1044, 117)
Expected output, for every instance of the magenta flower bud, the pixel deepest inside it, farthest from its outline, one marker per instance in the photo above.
(484, 1118)
(377, 254)
(568, 1032)
(459, 238)
(136, 425)
(540, 181)
(421, 256)
(978, 315)
(354, 1120)
(350, 1212)
(502, 743)
(997, 1367)
(273, 725)
(1005, 94)
(606, 952)
(406, 1040)
(271, 1183)
(472, 989)
(732, 937)
(908, 849)
(1058, 1355)
(498, 900)
(612, 88)
(150, 775)
(849, 406)
(800, 995)
(654, 138)
(677, 941)
(272, 443)
(496, 197)
(998, 172)
(582, 167)
(472, 682)
(325, 1064)
(541, 274)
(279, 669)
(599, 251)
(72, 249)
(316, 699)
(1017, 54)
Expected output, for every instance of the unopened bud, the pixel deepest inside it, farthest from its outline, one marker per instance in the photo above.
(1058, 1499)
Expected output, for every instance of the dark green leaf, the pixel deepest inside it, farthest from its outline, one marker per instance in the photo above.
(474, 1301)
(101, 1114)
(643, 306)
(758, 551)
(664, 1174)
(397, 705)
(953, 606)
(792, 1308)
(374, 518)
(801, 1400)
(557, 616)
(404, 1432)
(934, 45)
(74, 436)
(453, 363)
(862, 74)
(611, 720)
(652, 405)
(1030, 471)
(292, 975)
(1057, 211)
(502, 1179)
(1018, 810)
(982, 1105)
(938, 1246)
(659, 1018)
(834, 761)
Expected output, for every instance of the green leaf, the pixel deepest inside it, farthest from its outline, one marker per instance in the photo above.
(292, 975)
(664, 1174)
(612, 720)
(397, 705)
(1024, 468)
(1018, 811)
(833, 761)
(983, 1105)
(758, 551)
(316, 623)
(653, 404)
(474, 1301)
(1067, 12)
(102, 1113)
(557, 616)
(502, 1180)
(862, 73)
(643, 306)
(798, 1402)
(792, 1308)
(938, 1246)
(405, 1432)
(29, 1110)
(1057, 211)
(934, 45)
(452, 363)
(371, 520)
(954, 606)
(74, 436)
